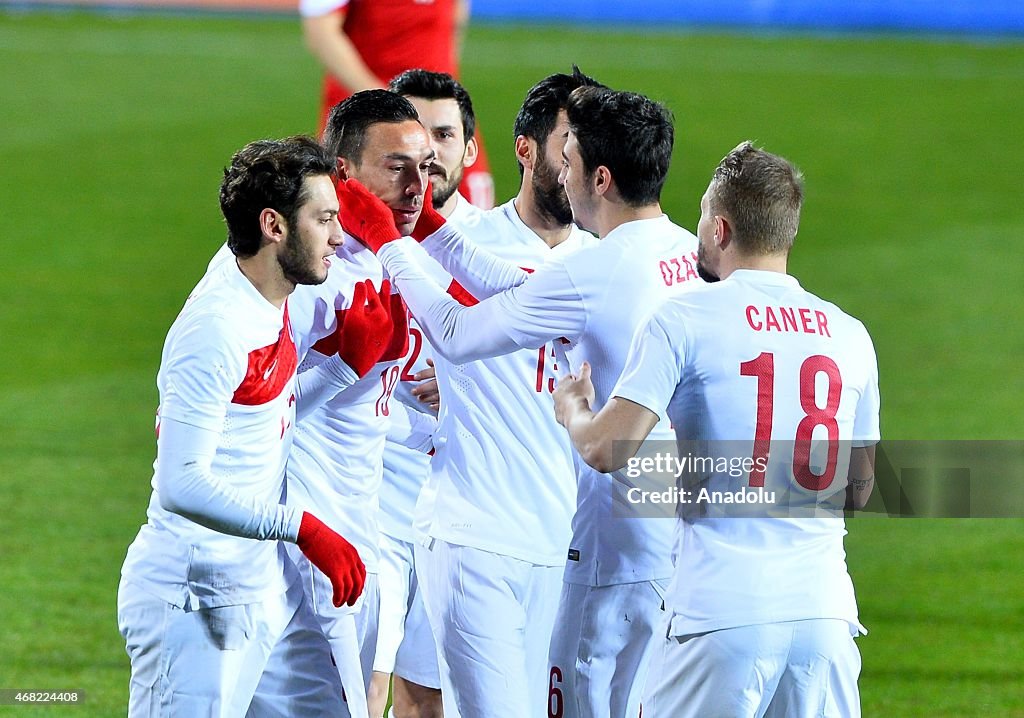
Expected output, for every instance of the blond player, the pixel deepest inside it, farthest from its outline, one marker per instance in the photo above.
(615, 161)
(752, 368)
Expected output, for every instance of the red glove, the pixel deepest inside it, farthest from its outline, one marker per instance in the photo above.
(430, 219)
(399, 344)
(365, 330)
(333, 555)
(365, 216)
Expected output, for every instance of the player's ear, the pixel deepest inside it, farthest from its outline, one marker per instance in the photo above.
(472, 152)
(273, 226)
(602, 180)
(525, 151)
(723, 232)
(344, 168)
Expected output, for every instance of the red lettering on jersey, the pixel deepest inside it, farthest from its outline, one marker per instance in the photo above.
(806, 325)
(751, 314)
(788, 319)
(805, 320)
(269, 370)
(822, 323)
(678, 269)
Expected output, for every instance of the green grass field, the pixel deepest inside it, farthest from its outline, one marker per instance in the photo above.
(115, 131)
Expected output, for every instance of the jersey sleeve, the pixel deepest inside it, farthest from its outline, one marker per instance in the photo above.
(523, 317)
(866, 430)
(187, 486)
(653, 367)
(480, 272)
(316, 8)
(201, 368)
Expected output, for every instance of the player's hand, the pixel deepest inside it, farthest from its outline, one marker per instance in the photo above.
(336, 557)
(399, 344)
(572, 394)
(427, 392)
(365, 216)
(430, 219)
(365, 329)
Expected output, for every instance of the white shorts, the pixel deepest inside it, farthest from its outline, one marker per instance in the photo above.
(492, 617)
(405, 645)
(795, 669)
(601, 648)
(350, 630)
(268, 658)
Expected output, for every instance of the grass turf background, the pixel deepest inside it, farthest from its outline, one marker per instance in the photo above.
(115, 130)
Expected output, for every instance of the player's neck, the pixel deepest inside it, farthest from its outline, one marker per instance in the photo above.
(264, 273)
(612, 215)
(543, 225)
(761, 263)
(446, 209)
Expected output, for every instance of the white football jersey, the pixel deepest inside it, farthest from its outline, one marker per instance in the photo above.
(752, 358)
(335, 467)
(228, 366)
(595, 298)
(503, 469)
(406, 470)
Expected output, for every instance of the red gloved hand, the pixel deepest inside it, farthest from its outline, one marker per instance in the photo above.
(333, 555)
(430, 219)
(365, 330)
(399, 344)
(365, 216)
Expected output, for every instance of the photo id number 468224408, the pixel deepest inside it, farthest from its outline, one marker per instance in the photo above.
(12, 696)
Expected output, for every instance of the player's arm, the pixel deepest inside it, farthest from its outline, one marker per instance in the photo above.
(480, 272)
(410, 428)
(203, 371)
(605, 440)
(462, 12)
(865, 433)
(526, 316)
(862, 477)
(363, 334)
(328, 42)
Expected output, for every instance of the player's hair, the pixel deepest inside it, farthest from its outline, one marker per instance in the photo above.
(345, 133)
(539, 113)
(429, 85)
(268, 173)
(761, 194)
(630, 134)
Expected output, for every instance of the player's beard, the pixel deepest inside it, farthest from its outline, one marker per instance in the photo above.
(702, 269)
(299, 263)
(443, 185)
(549, 194)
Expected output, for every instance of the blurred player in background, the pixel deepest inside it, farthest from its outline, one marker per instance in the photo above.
(762, 609)
(363, 44)
(499, 527)
(405, 644)
(615, 161)
(209, 606)
(336, 462)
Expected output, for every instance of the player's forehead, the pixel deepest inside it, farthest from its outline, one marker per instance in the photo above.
(388, 141)
(318, 194)
(439, 112)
